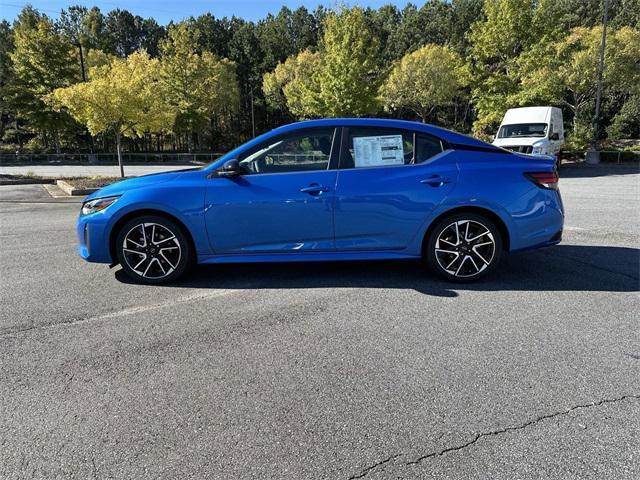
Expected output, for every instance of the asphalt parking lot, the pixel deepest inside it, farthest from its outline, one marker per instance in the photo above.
(332, 371)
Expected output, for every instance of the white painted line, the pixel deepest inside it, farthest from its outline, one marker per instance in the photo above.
(146, 308)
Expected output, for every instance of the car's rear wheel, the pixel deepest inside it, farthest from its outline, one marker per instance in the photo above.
(153, 249)
(464, 247)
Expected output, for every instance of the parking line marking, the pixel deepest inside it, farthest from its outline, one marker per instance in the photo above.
(128, 311)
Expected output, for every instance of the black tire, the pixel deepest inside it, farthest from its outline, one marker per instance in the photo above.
(484, 252)
(164, 258)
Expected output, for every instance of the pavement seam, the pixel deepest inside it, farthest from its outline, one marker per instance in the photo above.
(363, 473)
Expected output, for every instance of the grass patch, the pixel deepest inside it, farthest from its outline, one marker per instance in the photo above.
(91, 182)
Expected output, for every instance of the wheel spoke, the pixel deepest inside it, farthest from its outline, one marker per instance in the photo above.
(477, 245)
(474, 263)
(464, 259)
(164, 240)
(164, 272)
(484, 260)
(166, 259)
(140, 262)
(457, 257)
(479, 236)
(447, 242)
(136, 252)
(442, 250)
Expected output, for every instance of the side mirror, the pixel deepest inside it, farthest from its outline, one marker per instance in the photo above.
(554, 136)
(230, 169)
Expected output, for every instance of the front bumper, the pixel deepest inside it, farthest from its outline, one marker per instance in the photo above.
(93, 238)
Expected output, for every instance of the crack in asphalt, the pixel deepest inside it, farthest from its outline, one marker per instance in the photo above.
(366, 471)
(363, 473)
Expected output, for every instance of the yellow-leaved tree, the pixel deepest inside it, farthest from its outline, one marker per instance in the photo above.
(199, 86)
(121, 97)
(340, 79)
(432, 76)
(291, 86)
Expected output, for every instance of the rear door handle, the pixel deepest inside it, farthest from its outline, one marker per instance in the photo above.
(435, 181)
(314, 189)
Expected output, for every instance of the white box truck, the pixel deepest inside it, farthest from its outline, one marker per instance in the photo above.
(533, 130)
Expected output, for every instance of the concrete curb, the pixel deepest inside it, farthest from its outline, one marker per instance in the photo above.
(26, 181)
(71, 190)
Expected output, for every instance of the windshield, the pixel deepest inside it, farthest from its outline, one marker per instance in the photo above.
(523, 130)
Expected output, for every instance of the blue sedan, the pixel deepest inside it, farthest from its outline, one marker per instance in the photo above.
(325, 190)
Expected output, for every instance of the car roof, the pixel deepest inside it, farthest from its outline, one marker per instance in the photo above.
(449, 136)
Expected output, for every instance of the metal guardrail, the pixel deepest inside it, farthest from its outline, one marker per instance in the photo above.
(107, 158)
(610, 156)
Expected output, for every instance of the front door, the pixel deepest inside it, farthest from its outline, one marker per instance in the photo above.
(283, 201)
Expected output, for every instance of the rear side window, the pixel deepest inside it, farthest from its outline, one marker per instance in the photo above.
(427, 147)
(384, 147)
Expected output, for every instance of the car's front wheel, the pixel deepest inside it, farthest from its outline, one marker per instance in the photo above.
(464, 247)
(153, 249)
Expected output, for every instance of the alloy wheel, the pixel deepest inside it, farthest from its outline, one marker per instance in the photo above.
(465, 248)
(151, 250)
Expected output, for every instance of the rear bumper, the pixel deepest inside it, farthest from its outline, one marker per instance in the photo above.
(554, 240)
(538, 220)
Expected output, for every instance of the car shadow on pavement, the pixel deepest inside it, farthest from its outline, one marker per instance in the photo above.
(559, 268)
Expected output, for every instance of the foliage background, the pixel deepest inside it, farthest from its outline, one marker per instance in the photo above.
(215, 82)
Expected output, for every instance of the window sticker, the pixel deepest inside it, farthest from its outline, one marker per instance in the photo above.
(378, 151)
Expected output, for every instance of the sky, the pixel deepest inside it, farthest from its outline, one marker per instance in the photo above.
(165, 10)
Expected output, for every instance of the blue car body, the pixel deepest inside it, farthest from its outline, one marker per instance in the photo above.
(379, 212)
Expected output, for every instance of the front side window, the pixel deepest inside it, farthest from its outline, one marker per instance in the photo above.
(296, 152)
(382, 147)
(523, 130)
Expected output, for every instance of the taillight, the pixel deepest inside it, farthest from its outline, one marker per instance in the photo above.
(544, 179)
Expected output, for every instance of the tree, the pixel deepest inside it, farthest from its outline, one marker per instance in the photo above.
(423, 80)
(348, 73)
(566, 73)
(127, 33)
(291, 87)
(6, 46)
(197, 86)
(41, 62)
(285, 34)
(121, 97)
(511, 27)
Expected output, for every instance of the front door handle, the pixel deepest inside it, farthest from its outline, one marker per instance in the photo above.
(435, 180)
(314, 189)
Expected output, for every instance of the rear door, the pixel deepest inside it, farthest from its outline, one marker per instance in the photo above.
(389, 180)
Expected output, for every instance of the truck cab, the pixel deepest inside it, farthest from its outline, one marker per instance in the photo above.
(531, 130)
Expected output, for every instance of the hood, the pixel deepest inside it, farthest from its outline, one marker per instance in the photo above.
(123, 186)
(519, 141)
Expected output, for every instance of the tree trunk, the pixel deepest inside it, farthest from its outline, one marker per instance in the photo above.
(189, 141)
(119, 150)
(56, 141)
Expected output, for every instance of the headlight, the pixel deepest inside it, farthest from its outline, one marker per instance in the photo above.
(537, 150)
(93, 206)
